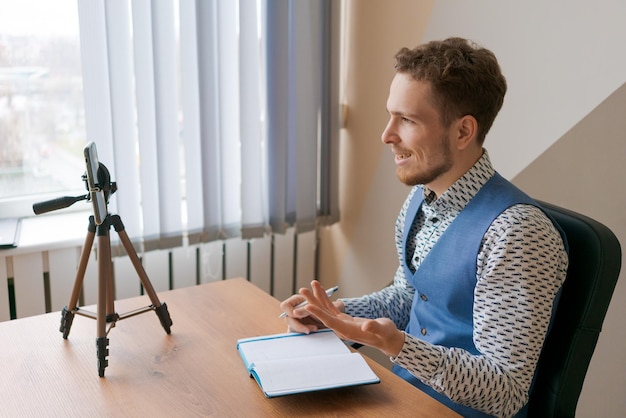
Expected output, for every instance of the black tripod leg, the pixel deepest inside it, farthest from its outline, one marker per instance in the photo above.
(67, 317)
(67, 314)
(102, 344)
(164, 317)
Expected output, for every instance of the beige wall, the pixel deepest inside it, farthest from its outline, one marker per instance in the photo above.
(584, 170)
(560, 135)
(370, 195)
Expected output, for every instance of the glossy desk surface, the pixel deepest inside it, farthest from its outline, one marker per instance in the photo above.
(194, 371)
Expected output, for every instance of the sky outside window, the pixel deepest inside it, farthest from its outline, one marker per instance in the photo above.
(42, 128)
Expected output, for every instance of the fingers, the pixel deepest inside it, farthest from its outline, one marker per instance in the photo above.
(320, 294)
(329, 319)
(319, 304)
(295, 325)
(304, 320)
(299, 319)
(288, 306)
(317, 296)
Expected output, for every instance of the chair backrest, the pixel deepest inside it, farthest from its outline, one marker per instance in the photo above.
(595, 259)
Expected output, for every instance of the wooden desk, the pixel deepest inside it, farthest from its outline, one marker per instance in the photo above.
(194, 371)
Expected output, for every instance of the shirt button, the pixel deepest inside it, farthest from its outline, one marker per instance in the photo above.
(434, 220)
(424, 297)
(424, 331)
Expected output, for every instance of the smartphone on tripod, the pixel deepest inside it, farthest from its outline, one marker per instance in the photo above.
(96, 190)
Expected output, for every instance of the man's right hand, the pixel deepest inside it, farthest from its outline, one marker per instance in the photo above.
(299, 319)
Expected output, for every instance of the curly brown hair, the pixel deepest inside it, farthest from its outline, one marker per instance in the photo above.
(465, 79)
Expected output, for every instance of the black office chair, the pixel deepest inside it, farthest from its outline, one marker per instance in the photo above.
(595, 260)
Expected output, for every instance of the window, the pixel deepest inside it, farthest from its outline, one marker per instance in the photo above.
(215, 118)
(42, 129)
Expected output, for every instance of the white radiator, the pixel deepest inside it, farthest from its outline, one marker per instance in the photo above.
(36, 282)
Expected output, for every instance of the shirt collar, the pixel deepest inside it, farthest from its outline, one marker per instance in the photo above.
(464, 189)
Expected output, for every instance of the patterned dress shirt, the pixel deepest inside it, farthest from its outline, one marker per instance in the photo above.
(521, 266)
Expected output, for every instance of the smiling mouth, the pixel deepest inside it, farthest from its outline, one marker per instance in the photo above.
(400, 157)
(400, 154)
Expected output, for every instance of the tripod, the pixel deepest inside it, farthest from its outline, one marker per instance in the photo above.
(98, 182)
(105, 307)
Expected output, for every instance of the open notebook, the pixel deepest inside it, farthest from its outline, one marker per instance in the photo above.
(284, 364)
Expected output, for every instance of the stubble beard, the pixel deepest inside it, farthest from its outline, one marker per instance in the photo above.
(419, 177)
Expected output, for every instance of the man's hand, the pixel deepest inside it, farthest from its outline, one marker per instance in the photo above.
(299, 319)
(379, 333)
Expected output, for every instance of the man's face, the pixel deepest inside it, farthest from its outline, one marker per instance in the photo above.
(420, 143)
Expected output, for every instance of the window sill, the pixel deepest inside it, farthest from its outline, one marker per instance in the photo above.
(47, 232)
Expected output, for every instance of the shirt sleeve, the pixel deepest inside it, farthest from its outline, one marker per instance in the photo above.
(393, 302)
(520, 269)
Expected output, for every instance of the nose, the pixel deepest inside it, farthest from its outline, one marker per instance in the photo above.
(389, 135)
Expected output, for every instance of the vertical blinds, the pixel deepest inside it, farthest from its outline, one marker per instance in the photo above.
(216, 118)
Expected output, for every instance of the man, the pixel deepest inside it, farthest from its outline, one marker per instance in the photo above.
(480, 264)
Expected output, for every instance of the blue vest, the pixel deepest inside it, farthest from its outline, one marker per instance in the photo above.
(442, 310)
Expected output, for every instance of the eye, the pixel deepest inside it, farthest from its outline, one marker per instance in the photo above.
(406, 120)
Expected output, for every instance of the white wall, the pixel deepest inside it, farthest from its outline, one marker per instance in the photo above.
(560, 58)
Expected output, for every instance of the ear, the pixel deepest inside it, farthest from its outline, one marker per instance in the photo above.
(466, 131)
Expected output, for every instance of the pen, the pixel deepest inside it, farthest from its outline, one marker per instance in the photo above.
(329, 293)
